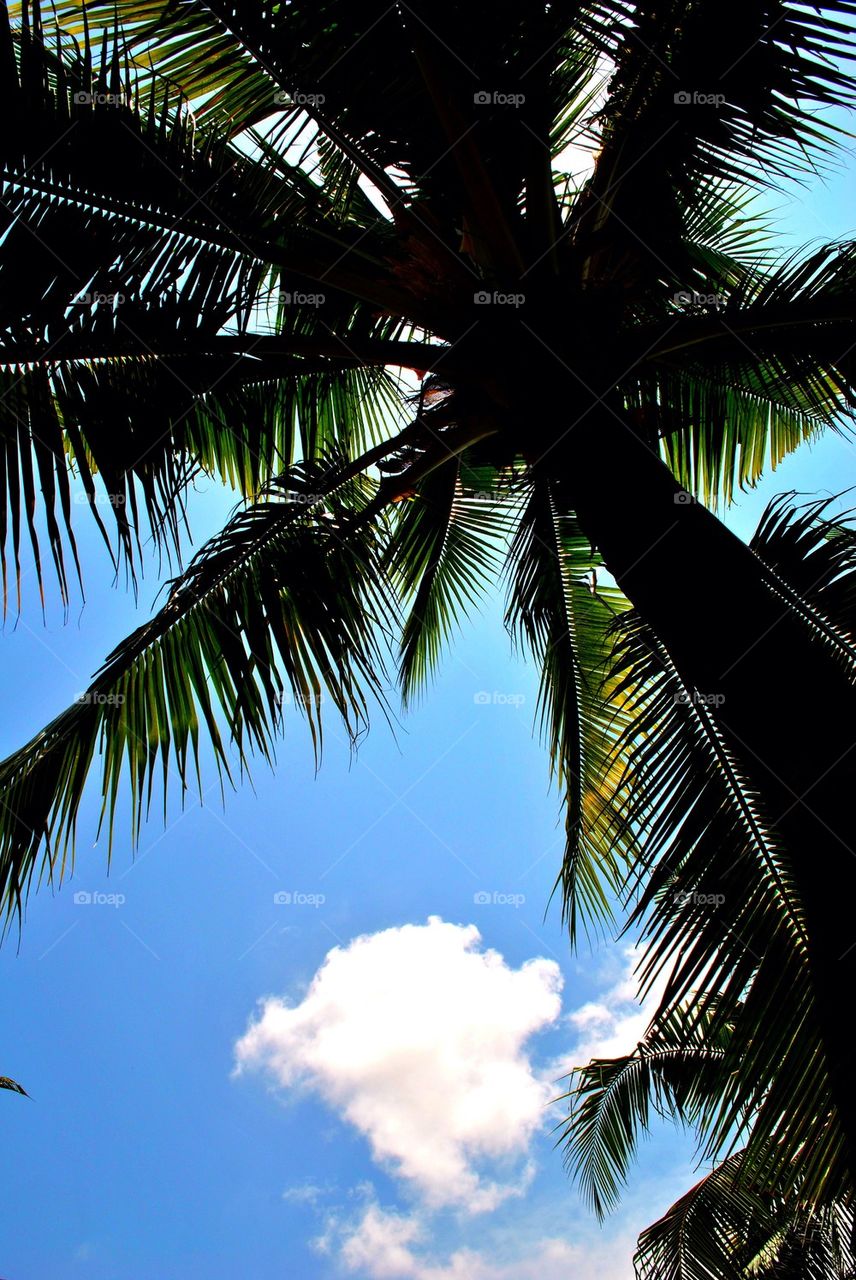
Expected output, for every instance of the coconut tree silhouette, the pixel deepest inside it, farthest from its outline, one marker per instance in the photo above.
(226, 227)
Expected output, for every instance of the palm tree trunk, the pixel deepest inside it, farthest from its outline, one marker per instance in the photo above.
(788, 707)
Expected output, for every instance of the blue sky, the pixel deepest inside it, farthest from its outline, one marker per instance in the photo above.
(376, 1107)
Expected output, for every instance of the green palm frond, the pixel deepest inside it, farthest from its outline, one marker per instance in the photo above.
(719, 909)
(217, 76)
(563, 615)
(720, 437)
(126, 357)
(677, 1070)
(218, 165)
(714, 887)
(757, 361)
(724, 1229)
(444, 555)
(290, 600)
(685, 110)
(12, 1086)
(287, 599)
(741, 1220)
(133, 427)
(727, 234)
(371, 108)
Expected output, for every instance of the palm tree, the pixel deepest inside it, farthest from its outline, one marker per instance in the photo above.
(225, 227)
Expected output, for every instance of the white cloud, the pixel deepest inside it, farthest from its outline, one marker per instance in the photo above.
(417, 1036)
(304, 1193)
(379, 1246)
(420, 1038)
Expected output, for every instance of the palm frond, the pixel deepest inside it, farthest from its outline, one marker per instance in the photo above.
(728, 234)
(287, 598)
(719, 910)
(717, 903)
(563, 615)
(759, 361)
(443, 557)
(724, 1229)
(12, 1086)
(290, 598)
(741, 1220)
(676, 1070)
(122, 284)
(703, 93)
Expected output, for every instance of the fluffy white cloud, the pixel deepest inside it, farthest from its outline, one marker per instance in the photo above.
(420, 1038)
(379, 1246)
(417, 1036)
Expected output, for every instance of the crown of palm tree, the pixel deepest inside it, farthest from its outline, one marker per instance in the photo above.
(226, 227)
